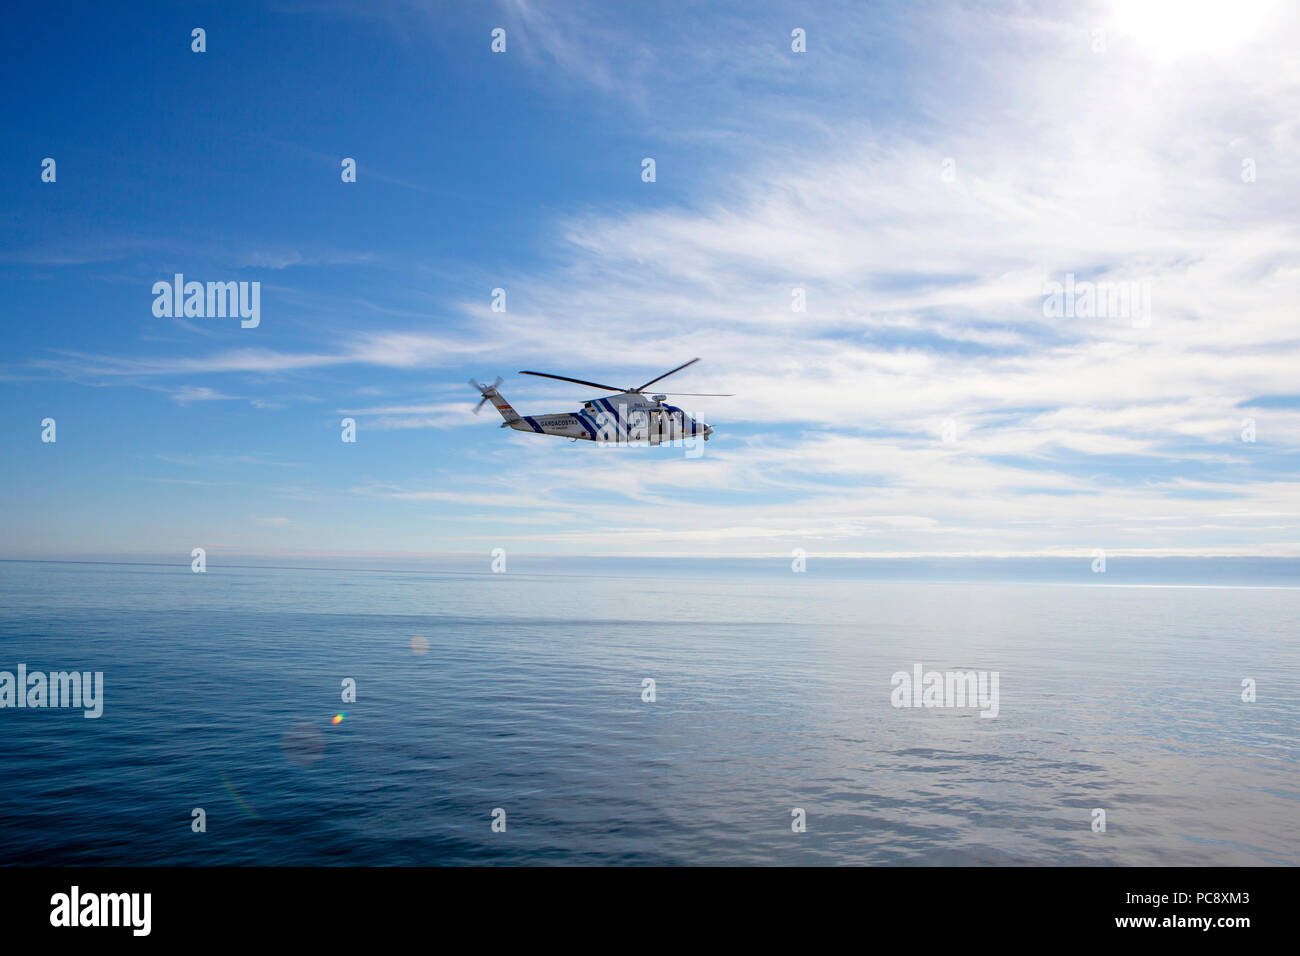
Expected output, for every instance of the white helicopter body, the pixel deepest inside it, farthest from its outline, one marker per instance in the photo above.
(626, 416)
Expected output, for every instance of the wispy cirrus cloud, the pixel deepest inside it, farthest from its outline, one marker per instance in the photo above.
(919, 180)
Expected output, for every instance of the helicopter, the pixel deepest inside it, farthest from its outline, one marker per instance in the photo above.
(625, 417)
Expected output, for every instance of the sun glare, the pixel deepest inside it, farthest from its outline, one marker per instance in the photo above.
(1175, 29)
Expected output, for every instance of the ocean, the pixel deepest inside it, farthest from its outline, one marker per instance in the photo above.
(507, 719)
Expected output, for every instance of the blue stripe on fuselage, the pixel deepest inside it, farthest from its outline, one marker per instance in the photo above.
(586, 423)
(618, 425)
(536, 427)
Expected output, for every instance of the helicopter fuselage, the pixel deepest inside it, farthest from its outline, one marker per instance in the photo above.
(622, 418)
(626, 416)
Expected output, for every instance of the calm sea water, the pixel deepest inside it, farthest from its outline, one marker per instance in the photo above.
(523, 691)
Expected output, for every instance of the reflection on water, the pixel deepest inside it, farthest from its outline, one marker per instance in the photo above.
(524, 691)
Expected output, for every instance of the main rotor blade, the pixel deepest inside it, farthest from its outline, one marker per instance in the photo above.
(703, 394)
(565, 378)
(664, 376)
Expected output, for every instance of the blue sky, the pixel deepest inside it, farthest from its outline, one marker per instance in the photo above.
(921, 172)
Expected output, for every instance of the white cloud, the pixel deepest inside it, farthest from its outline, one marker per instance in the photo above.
(925, 300)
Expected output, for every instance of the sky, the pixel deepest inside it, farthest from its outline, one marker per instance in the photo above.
(923, 177)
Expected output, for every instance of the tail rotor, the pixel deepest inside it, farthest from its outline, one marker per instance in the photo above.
(484, 389)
